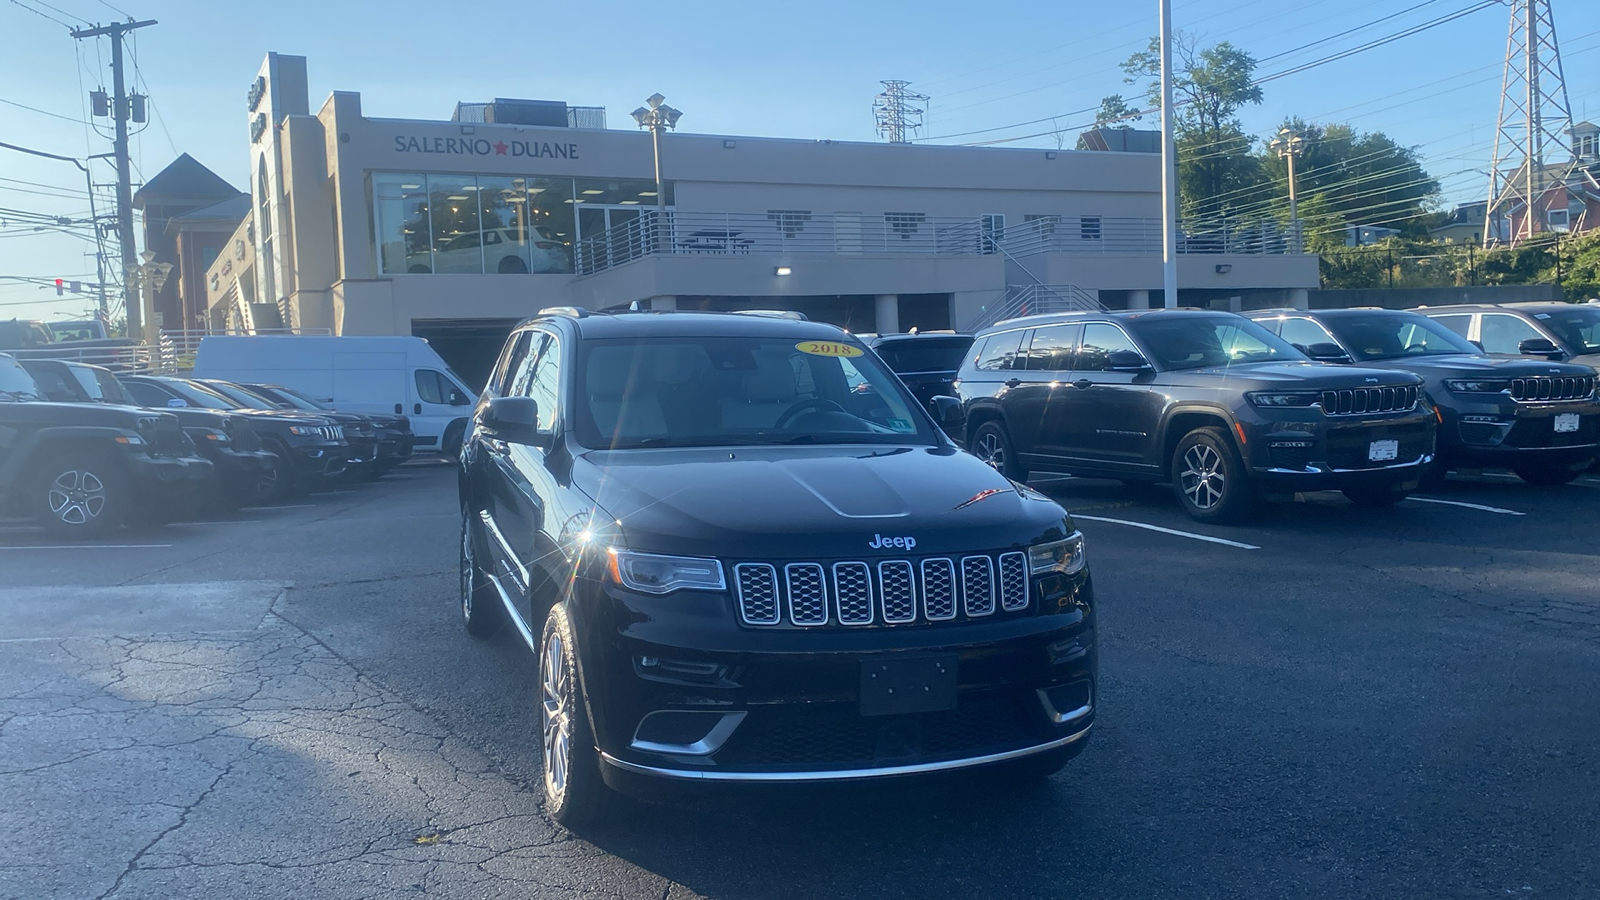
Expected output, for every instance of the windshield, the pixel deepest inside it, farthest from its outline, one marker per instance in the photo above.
(925, 354)
(199, 395)
(1579, 328)
(1194, 342)
(15, 382)
(241, 396)
(709, 391)
(1395, 335)
(291, 397)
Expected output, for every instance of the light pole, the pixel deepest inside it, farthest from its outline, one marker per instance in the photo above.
(143, 282)
(656, 117)
(1289, 144)
(1169, 168)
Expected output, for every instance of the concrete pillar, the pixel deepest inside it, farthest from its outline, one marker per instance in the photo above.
(1299, 298)
(1235, 304)
(888, 313)
(1138, 299)
(664, 301)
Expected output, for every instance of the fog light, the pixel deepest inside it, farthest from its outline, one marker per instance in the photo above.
(685, 732)
(1068, 702)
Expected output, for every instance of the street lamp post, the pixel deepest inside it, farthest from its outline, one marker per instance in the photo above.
(144, 281)
(1289, 144)
(656, 117)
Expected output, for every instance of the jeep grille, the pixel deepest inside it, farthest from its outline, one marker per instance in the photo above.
(888, 592)
(1365, 401)
(1575, 387)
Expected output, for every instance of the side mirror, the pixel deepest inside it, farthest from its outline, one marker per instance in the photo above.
(1539, 347)
(1327, 352)
(948, 413)
(516, 419)
(177, 403)
(1126, 361)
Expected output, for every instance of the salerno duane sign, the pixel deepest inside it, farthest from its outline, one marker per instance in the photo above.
(468, 146)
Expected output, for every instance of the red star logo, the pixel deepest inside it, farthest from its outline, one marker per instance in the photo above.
(500, 148)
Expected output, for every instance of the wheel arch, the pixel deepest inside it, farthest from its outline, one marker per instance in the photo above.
(1184, 419)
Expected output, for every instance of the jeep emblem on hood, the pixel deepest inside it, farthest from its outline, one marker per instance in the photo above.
(879, 542)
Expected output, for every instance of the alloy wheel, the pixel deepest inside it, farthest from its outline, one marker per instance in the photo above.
(991, 451)
(77, 497)
(1203, 479)
(557, 715)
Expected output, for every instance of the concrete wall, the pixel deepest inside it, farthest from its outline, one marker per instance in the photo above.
(1407, 298)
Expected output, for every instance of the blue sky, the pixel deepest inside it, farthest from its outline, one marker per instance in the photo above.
(804, 68)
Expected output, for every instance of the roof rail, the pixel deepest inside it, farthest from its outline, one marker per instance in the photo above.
(575, 312)
(794, 314)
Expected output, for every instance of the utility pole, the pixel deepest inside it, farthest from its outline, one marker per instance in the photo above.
(1289, 145)
(1169, 169)
(132, 302)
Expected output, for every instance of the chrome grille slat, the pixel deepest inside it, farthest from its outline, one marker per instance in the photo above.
(1013, 581)
(938, 589)
(807, 589)
(1554, 387)
(1367, 401)
(757, 584)
(852, 592)
(897, 584)
(977, 585)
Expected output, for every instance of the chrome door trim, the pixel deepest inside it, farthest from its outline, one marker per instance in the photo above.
(505, 547)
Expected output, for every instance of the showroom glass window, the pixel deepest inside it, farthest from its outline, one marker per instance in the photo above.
(457, 230)
(401, 204)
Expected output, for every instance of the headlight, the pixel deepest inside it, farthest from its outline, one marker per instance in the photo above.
(1474, 386)
(305, 429)
(1284, 398)
(651, 573)
(1064, 557)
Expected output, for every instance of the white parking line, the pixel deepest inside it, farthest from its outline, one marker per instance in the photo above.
(1188, 534)
(1493, 509)
(90, 547)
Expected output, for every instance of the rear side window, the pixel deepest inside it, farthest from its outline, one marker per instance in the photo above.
(1459, 324)
(54, 387)
(147, 395)
(1053, 347)
(1099, 342)
(1000, 351)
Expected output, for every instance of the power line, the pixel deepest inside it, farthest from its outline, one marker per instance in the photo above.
(1346, 32)
(42, 112)
(40, 14)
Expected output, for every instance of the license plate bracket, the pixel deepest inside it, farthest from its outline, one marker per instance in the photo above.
(1566, 423)
(1383, 451)
(908, 684)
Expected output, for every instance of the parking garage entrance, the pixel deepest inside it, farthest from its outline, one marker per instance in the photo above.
(470, 346)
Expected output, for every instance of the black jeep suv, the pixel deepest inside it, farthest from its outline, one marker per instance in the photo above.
(926, 361)
(242, 470)
(1211, 402)
(393, 432)
(735, 566)
(81, 471)
(1539, 419)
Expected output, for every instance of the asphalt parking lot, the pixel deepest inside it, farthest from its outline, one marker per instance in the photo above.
(1330, 702)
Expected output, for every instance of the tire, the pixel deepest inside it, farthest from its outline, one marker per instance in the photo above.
(1208, 477)
(281, 482)
(1434, 476)
(1547, 476)
(420, 269)
(992, 444)
(1375, 497)
(81, 496)
(481, 611)
(450, 444)
(511, 265)
(574, 792)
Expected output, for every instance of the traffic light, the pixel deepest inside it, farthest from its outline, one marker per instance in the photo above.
(61, 288)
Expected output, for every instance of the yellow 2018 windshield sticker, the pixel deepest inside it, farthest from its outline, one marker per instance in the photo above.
(827, 348)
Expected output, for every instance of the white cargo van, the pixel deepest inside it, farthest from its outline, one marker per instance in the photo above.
(383, 374)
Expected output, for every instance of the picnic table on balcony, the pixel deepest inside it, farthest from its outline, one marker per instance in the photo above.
(715, 240)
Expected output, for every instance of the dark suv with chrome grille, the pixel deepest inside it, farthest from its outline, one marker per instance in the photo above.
(735, 565)
(1540, 419)
(1210, 402)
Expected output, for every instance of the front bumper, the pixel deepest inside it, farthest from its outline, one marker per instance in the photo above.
(1308, 451)
(1508, 434)
(151, 470)
(788, 700)
(394, 449)
(319, 461)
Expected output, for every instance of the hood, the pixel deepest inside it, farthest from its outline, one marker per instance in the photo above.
(814, 502)
(286, 416)
(197, 417)
(1470, 365)
(1592, 360)
(1307, 375)
(96, 414)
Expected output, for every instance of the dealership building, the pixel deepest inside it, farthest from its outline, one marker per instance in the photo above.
(454, 229)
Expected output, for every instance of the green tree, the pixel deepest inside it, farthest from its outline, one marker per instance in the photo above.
(1115, 112)
(1216, 159)
(1361, 178)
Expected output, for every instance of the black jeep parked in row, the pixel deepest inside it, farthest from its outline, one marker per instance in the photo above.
(1538, 418)
(81, 471)
(392, 432)
(243, 471)
(1212, 403)
(735, 565)
(311, 449)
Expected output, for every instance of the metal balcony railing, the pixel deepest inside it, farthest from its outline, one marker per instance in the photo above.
(1113, 235)
(181, 344)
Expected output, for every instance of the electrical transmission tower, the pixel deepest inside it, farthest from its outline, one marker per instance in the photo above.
(898, 111)
(1533, 158)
